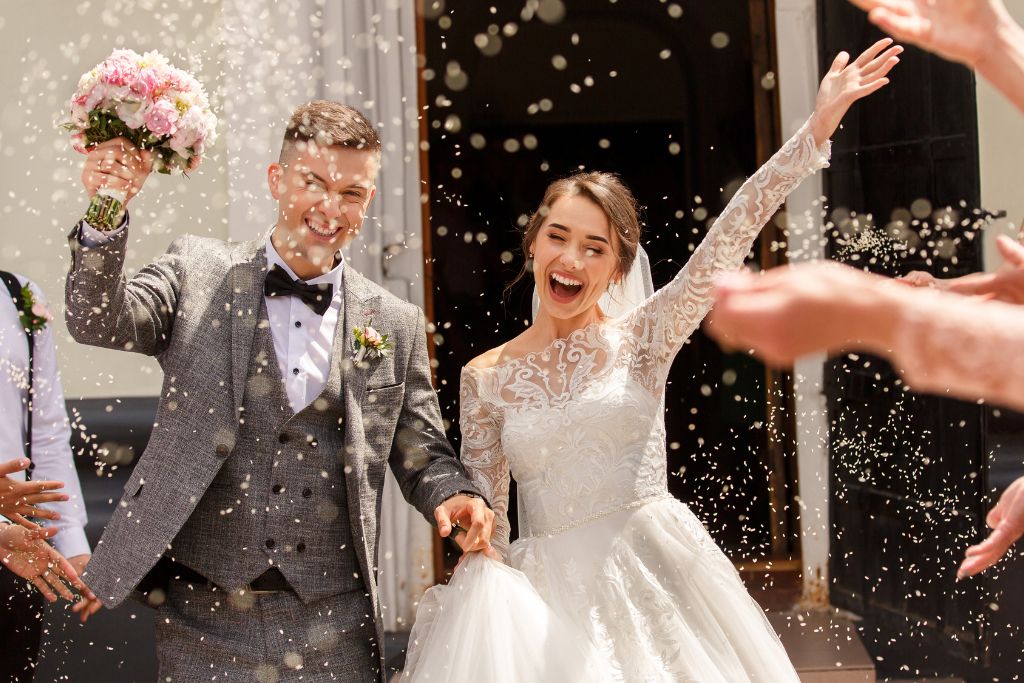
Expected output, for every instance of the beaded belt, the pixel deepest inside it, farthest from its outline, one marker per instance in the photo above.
(603, 513)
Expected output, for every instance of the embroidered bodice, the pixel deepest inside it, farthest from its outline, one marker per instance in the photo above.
(580, 424)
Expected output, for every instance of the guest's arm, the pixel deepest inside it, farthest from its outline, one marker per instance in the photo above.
(941, 342)
(978, 33)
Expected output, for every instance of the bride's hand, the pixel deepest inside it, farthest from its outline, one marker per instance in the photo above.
(847, 82)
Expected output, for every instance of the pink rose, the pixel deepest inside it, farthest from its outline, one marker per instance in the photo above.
(148, 81)
(371, 336)
(97, 96)
(120, 69)
(162, 118)
(189, 132)
(78, 143)
(40, 311)
(79, 115)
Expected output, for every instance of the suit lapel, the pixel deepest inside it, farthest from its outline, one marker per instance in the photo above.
(247, 275)
(360, 305)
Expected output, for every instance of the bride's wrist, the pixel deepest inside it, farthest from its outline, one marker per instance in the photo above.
(820, 129)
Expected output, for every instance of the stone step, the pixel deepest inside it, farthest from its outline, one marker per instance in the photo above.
(823, 646)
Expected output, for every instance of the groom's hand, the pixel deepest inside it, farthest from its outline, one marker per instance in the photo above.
(470, 518)
(118, 165)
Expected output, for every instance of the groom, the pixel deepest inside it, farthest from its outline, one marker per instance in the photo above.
(251, 521)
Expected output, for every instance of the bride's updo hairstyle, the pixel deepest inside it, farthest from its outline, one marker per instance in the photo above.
(609, 193)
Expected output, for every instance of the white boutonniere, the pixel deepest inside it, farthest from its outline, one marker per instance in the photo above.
(369, 343)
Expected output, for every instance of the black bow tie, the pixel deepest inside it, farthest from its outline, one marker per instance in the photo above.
(317, 297)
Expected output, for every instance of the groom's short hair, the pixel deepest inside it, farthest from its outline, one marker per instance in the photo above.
(329, 124)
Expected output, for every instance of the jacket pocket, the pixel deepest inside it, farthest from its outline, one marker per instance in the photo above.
(381, 408)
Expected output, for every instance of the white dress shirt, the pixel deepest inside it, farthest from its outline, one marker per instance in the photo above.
(302, 338)
(51, 433)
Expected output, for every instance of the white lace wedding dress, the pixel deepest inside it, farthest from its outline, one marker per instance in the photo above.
(611, 578)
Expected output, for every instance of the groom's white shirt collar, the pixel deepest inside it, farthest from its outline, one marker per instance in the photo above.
(333, 276)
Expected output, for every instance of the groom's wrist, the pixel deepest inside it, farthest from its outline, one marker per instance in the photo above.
(91, 236)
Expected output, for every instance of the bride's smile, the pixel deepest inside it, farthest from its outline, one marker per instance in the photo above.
(575, 259)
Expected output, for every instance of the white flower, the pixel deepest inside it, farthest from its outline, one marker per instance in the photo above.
(133, 113)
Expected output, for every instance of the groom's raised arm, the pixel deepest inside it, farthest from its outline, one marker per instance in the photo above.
(103, 307)
(422, 460)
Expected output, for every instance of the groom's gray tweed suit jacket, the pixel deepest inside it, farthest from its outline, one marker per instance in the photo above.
(195, 309)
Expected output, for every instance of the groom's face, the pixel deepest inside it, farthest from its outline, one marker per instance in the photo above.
(322, 196)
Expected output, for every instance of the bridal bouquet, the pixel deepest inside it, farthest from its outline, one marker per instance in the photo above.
(144, 99)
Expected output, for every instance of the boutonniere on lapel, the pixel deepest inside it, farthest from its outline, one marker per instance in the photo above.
(33, 315)
(369, 343)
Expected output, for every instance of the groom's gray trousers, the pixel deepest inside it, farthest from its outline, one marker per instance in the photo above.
(206, 635)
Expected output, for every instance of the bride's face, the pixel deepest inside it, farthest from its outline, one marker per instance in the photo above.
(574, 257)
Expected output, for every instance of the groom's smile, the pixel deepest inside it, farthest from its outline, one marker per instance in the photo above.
(322, 194)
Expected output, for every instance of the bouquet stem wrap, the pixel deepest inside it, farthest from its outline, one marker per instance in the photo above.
(105, 209)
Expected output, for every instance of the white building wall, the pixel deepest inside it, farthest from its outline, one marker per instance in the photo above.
(45, 47)
(797, 36)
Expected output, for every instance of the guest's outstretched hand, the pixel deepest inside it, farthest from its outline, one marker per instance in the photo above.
(959, 30)
(26, 553)
(921, 278)
(847, 82)
(19, 500)
(1007, 284)
(1006, 520)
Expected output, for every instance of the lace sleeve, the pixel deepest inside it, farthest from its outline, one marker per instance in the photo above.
(483, 457)
(966, 348)
(668, 318)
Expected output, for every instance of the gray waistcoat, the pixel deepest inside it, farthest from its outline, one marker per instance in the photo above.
(280, 497)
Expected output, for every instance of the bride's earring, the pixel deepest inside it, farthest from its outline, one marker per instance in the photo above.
(529, 261)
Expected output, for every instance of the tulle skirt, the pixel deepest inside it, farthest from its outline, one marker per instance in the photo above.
(639, 595)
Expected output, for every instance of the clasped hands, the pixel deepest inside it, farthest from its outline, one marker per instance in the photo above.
(471, 522)
(23, 546)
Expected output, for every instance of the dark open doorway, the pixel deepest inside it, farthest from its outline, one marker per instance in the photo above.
(671, 97)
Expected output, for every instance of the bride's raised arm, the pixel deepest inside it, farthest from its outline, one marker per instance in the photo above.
(668, 318)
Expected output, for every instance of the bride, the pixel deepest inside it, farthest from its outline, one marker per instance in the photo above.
(611, 578)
